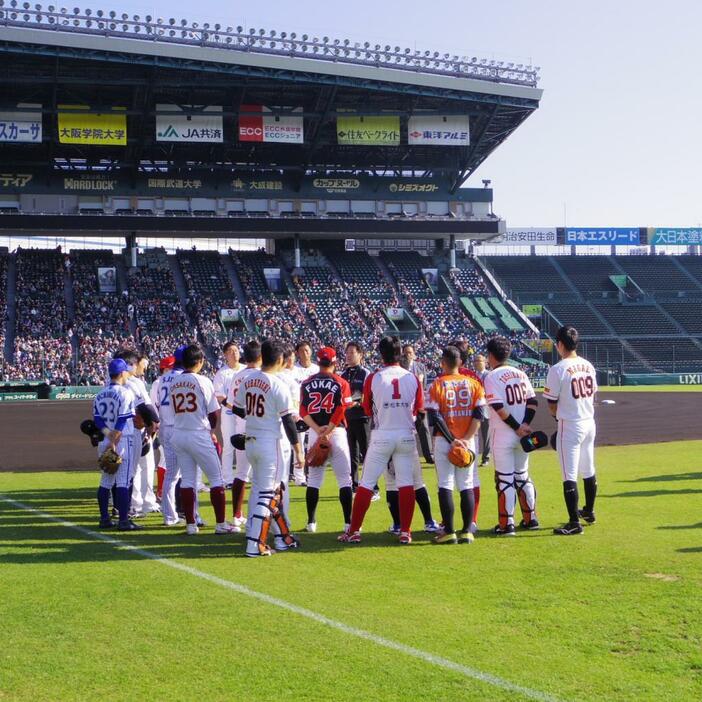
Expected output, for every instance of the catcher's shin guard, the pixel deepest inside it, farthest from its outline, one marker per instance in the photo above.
(527, 495)
(280, 523)
(260, 523)
(505, 498)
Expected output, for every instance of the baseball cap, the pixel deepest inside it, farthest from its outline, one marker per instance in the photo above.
(117, 366)
(178, 354)
(326, 355)
(167, 362)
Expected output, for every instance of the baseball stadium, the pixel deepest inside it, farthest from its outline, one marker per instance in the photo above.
(171, 190)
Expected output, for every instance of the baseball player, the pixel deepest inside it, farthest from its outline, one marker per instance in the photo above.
(512, 405)
(196, 412)
(157, 394)
(221, 381)
(113, 413)
(303, 369)
(252, 359)
(570, 391)
(480, 370)
(455, 411)
(165, 408)
(289, 376)
(465, 350)
(264, 401)
(324, 398)
(392, 396)
(143, 496)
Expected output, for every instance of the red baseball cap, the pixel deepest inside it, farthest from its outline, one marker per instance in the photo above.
(166, 363)
(326, 355)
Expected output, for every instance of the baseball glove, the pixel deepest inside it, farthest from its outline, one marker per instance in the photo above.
(319, 453)
(110, 461)
(238, 441)
(460, 456)
(89, 428)
(535, 440)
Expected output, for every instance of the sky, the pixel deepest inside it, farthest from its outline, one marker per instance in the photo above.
(617, 140)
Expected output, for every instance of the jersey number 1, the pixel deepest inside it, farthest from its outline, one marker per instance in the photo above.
(396, 389)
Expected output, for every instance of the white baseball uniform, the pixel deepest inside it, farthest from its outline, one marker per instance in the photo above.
(167, 417)
(265, 398)
(510, 388)
(572, 382)
(392, 396)
(115, 404)
(289, 377)
(155, 393)
(243, 467)
(143, 496)
(221, 382)
(193, 399)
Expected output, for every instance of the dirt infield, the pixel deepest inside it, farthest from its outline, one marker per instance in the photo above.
(44, 435)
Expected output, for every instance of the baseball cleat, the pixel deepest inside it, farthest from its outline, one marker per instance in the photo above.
(473, 528)
(376, 496)
(129, 525)
(191, 529)
(173, 522)
(264, 552)
(531, 525)
(200, 522)
(432, 527)
(226, 528)
(394, 529)
(569, 529)
(107, 524)
(465, 537)
(508, 530)
(281, 545)
(445, 539)
(405, 538)
(311, 527)
(587, 516)
(349, 537)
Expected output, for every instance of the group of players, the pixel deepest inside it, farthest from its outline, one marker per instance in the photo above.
(277, 402)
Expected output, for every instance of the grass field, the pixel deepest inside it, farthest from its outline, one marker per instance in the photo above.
(613, 615)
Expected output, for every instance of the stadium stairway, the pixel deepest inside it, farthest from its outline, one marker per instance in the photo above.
(236, 283)
(389, 278)
(565, 277)
(181, 288)
(9, 349)
(123, 284)
(686, 272)
(70, 310)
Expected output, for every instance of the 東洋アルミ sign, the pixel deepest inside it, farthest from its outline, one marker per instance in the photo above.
(438, 130)
(602, 236)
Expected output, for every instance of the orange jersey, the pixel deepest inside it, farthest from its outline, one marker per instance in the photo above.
(455, 397)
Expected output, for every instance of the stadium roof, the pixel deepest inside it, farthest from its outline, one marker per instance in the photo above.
(103, 61)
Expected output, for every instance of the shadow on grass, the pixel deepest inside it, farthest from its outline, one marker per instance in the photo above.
(665, 478)
(655, 493)
(690, 549)
(682, 526)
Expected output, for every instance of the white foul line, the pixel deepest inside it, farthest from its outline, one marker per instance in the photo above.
(301, 611)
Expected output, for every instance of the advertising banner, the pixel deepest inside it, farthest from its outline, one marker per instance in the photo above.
(528, 236)
(619, 280)
(18, 396)
(438, 131)
(604, 236)
(532, 310)
(22, 127)
(368, 130)
(106, 129)
(662, 378)
(268, 127)
(688, 236)
(431, 276)
(75, 392)
(227, 315)
(396, 314)
(272, 276)
(107, 279)
(205, 126)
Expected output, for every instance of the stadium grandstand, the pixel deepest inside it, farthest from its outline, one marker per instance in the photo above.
(164, 180)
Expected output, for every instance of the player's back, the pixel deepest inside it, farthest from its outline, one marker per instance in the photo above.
(265, 398)
(573, 383)
(324, 397)
(455, 397)
(115, 402)
(510, 387)
(192, 397)
(165, 406)
(392, 396)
